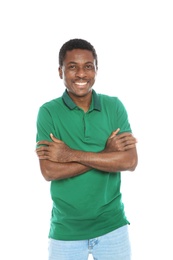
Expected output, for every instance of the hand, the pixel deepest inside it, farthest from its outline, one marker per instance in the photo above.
(120, 143)
(56, 151)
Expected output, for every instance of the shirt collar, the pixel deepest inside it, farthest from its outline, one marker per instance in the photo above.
(95, 104)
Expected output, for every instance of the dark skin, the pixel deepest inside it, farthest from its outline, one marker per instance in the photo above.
(58, 160)
(79, 73)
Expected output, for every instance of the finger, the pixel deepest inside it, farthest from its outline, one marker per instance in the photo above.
(43, 157)
(43, 142)
(42, 149)
(131, 146)
(42, 154)
(56, 140)
(114, 133)
(127, 147)
(126, 137)
(125, 134)
(131, 139)
(124, 142)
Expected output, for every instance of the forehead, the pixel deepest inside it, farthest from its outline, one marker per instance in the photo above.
(79, 56)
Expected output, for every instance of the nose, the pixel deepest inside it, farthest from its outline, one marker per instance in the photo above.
(80, 72)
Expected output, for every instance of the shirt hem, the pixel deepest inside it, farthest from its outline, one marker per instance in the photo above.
(87, 237)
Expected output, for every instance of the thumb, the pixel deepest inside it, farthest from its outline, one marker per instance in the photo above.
(54, 138)
(114, 133)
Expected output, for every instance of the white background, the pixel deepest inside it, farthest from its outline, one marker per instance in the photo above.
(134, 42)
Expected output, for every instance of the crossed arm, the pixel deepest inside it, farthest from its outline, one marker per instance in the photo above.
(59, 161)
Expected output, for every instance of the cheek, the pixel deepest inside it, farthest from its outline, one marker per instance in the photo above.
(69, 75)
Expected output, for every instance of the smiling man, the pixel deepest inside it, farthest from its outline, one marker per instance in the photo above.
(84, 142)
(78, 71)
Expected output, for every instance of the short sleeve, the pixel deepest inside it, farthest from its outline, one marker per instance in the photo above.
(44, 124)
(123, 121)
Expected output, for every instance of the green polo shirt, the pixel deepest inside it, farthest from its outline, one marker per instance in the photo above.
(88, 205)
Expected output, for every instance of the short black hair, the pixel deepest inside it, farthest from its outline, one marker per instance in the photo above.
(76, 44)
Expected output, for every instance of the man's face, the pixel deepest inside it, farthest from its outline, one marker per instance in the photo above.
(78, 72)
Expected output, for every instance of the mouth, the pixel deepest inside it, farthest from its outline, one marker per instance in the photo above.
(81, 83)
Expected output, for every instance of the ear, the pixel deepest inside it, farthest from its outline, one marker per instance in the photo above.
(60, 73)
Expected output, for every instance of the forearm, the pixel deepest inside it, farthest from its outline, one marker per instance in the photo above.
(56, 171)
(107, 161)
(58, 161)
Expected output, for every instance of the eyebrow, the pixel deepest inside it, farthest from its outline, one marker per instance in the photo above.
(73, 62)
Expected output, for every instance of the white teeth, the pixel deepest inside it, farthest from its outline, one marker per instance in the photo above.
(80, 83)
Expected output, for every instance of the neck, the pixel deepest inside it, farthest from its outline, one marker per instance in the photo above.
(83, 102)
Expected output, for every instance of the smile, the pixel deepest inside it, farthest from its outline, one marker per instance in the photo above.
(81, 83)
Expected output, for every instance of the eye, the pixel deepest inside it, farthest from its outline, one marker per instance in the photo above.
(89, 67)
(72, 67)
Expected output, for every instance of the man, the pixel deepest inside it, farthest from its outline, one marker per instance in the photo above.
(84, 142)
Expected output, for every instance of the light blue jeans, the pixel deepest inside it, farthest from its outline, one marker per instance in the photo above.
(112, 246)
